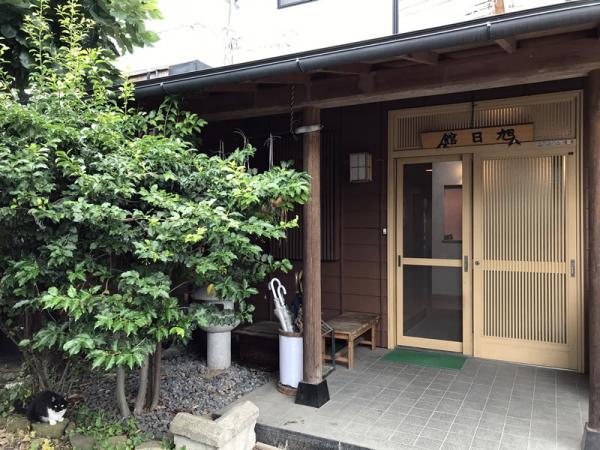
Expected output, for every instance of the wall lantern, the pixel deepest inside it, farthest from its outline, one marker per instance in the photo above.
(360, 167)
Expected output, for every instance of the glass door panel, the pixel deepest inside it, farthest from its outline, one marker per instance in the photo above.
(430, 255)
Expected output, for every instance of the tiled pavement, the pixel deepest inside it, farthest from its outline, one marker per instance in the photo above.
(486, 405)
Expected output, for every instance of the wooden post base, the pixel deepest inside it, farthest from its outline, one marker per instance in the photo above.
(315, 395)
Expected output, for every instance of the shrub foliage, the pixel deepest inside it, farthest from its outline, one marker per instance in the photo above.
(106, 210)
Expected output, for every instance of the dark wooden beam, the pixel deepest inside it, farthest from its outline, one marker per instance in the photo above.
(395, 64)
(292, 78)
(312, 251)
(509, 45)
(592, 97)
(429, 58)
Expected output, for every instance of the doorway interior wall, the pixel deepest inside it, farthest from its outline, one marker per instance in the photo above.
(506, 283)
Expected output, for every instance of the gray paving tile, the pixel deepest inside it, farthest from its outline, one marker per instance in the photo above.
(563, 443)
(478, 405)
(467, 430)
(379, 432)
(466, 420)
(516, 431)
(421, 412)
(434, 433)
(455, 395)
(410, 428)
(437, 415)
(463, 440)
(484, 444)
(486, 434)
(570, 432)
(452, 446)
(470, 413)
(510, 442)
(496, 410)
(415, 420)
(429, 444)
(518, 422)
(439, 424)
(536, 444)
(519, 412)
(392, 416)
(404, 438)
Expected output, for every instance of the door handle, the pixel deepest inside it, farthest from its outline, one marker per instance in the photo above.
(399, 260)
(466, 263)
(476, 263)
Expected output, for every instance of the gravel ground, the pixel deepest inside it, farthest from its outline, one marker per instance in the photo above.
(186, 387)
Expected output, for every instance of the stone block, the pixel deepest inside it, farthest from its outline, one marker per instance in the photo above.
(45, 430)
(150, 445)
(234, 430)
(16, 423)
(70, 428)
(117, 442)
(82, 442)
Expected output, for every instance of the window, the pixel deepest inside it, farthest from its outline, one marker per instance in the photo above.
(285, 3)
(452, 213)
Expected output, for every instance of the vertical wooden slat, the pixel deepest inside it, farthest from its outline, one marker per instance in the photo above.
(523, 212)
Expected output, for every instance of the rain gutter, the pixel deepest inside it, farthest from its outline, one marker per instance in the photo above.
(488, 29)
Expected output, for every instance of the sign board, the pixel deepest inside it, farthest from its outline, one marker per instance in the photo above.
(507, 134)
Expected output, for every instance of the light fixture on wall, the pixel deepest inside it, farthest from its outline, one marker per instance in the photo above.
(360, 167)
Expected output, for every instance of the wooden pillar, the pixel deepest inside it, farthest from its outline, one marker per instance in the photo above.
(592, 142)
(313, 373)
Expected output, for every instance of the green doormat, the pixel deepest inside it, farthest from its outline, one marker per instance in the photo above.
(429, 359)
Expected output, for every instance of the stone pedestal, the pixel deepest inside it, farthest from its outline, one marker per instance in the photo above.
(218, 343)
(232, 431)
(218, 351)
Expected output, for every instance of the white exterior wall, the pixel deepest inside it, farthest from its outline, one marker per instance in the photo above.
(222, 32)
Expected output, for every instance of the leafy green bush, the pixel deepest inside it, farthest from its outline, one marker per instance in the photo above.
(106, 211)
(15, 393)
(100, 426)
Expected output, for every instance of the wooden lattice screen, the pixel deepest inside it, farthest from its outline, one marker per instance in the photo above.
(287, 148)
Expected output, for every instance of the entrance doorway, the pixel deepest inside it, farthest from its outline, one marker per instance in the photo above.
(431, 235)
(516, 298)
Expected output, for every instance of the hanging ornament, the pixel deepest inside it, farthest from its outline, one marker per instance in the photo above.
(270, 142)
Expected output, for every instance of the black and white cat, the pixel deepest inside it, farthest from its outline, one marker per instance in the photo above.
(48, 407)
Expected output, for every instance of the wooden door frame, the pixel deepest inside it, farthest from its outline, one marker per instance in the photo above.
(395, 279)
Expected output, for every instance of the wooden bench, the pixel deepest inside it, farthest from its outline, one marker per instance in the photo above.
(259, 343)
(351, 327)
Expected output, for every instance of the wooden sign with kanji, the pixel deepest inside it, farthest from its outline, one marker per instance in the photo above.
(508, 134)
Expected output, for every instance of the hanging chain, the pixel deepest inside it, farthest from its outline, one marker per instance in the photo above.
(292, 102)
(270, 151)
